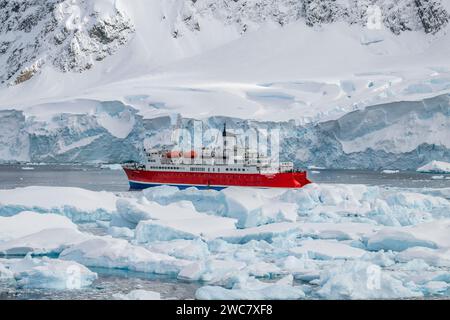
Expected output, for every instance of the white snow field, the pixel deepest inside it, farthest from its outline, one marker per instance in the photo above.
(327, 241)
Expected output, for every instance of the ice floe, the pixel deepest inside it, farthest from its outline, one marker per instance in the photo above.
(107, 252)
(49, 273)
(253, 289)
(45, 242)
(336, 241)
(27, 222)
(362, 280)
(75, 203)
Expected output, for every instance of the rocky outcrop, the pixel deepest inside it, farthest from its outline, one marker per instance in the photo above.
(70, 35)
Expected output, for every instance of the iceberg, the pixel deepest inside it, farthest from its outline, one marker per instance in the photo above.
(46, 273)
(28, 222)
(45, 242)
(108, 252)
(362, 280)
(253, 289)
(182, 249)
(435, 167)
(396, 240)
(326, 250)
(212, 270)
(78, 204)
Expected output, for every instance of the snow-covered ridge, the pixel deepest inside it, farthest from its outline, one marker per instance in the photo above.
(76, 35)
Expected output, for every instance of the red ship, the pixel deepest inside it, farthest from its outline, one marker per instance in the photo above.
(213, 170)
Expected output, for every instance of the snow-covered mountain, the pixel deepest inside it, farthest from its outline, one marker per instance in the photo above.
(87, 80)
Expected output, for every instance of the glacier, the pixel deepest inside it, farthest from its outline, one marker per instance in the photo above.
(372, 138)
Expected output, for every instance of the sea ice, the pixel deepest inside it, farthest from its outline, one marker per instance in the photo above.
(253, 289)
(326, 250)
(45, 242)
(211, 270)
(26, 223)
(361, 280)
(107, 252)
(182, 249)
(49, 273)
(396, 240)
(79, 205)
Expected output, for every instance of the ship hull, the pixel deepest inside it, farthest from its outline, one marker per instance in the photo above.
(142, 179)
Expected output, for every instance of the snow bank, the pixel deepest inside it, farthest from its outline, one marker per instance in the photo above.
(435, 167)
(253, 289)
(27, 222)
(48, 273)
(75, 203)
(108, 252)
(138, 295)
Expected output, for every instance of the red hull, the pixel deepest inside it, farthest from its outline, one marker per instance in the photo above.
(140, 179)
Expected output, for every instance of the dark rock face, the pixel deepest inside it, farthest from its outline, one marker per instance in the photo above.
(68, 35)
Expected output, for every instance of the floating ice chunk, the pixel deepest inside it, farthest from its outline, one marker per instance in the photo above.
(257, 207)
(111, 167)
(437, 177)
(265, 232)
(380, 258)
(361, 280)
(387, 171)
(26, 223)
(181, 221)
(208, 201)
(435, 167)
(327, 250)
(302, 269)
(182, 249)
(138, 295)
(48, 241)
(49, 273)
(77, 204)
(396, 240)
(433, 257)
(253, 289)
(109, 252)
(211, 270)
(5, 273)
(27, 168)
(435, 287)
(121, 232)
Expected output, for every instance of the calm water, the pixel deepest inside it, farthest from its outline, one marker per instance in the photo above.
(97, 179)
